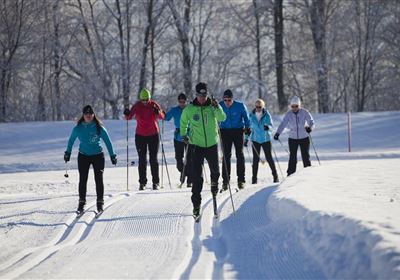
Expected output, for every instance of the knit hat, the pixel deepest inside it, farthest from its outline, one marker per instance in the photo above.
(182, 96)
(201, 88)
(295, 101)
(144, 94)
(228, 93)
(87, 110)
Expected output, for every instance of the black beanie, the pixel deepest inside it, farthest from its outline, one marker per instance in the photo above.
(228, 93)
(182, 96)
(201, 88)
(87, 109)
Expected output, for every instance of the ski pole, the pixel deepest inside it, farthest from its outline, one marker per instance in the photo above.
(163, 157)
(224, 159)
(312, 143)
(276, 158)
(283, 147)
(127, 155)
(257, 153)
(162, 161)
(66, 170)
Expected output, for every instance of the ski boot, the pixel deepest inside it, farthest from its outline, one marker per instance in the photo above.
(142, 187)
(156, 187)
(276, 180)
(196, 214)
(189, 185)
(241, 185)
(81, 208)
(224, 187)
(100, 204)
(254, 180)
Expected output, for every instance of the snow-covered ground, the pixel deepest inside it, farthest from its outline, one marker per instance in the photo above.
(337, 220)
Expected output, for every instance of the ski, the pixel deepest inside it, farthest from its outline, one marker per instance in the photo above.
(97, 214)
(215, 207)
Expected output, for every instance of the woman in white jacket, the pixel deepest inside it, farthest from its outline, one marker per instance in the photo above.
(300, 123)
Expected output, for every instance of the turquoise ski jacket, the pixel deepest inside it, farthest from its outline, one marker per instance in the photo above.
(258, 134)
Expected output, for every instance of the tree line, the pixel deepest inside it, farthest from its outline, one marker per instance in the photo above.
(58, 55)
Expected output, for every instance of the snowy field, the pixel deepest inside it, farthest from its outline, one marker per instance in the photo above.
(338, 220)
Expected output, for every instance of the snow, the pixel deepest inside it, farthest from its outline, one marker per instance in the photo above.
(337, 220)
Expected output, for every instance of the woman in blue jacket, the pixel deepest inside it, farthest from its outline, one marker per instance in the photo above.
(261, 127)
(89, 130)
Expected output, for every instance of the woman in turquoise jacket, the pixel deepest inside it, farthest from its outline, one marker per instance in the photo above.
(261, 127)
(89, 130)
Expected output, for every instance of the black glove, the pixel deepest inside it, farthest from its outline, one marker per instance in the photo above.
(308, 129)
(247, 131)
(245, 143)
(276, 136)
(114, 159)
(185, 139)
(67, 156)
(127, 112)
(214, 103)
(266, 127)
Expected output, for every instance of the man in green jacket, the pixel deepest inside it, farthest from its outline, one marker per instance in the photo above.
(202, 115)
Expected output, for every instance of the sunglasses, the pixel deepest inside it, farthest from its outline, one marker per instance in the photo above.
(295, 106)
(144, 100)
(258, 107)
(88, 114)
(227, 100)
(181, 101)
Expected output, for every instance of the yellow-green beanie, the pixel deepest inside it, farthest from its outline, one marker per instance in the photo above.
(144, 94)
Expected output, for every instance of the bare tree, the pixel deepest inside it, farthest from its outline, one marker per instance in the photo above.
(279, 50)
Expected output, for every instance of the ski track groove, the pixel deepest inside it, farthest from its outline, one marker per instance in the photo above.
(61, 240)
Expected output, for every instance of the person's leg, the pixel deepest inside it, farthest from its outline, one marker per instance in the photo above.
(256, 147)
(197, 172)
(154, 144)
(179, 154)
(98, 168)
(212, 159)
(293, 146)
(188, 167)
(83, 168)
(240, 166)
(268, 156)
(305, 151)
(141, 148)
(227, 142)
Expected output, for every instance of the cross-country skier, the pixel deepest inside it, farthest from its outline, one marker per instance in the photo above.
(300, 123)
(237, 121)
(89, 130)
(146, 112)
(202, 116)
(179, 144)
(261, 127)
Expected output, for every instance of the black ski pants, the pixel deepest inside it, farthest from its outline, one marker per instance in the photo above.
(233, 137)
(179, 156)
(84, 163)
(305, 153)
(268, 156)
(198, 156)
(152, 143)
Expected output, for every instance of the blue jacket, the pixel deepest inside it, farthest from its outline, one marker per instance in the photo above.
(89, 139)
(175, 112)
(236, 116)
(258, 134)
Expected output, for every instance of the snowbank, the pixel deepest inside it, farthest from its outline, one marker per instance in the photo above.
(345, 214)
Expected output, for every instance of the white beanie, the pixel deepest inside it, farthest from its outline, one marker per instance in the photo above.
(295, 101)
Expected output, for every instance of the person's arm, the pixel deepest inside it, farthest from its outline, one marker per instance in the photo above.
(184, 123)
(268, 120)
(132, 112)
(106, 138)
(170, 114)
(310, 120)
(71, 140)
(283, 124)
(245, 116)
(219, 113)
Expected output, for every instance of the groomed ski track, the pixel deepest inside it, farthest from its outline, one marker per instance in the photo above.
(152, 234)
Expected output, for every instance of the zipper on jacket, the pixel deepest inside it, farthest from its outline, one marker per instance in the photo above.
(297, 124)
(204, 128)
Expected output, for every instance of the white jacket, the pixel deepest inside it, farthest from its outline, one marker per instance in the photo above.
(296, 123)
